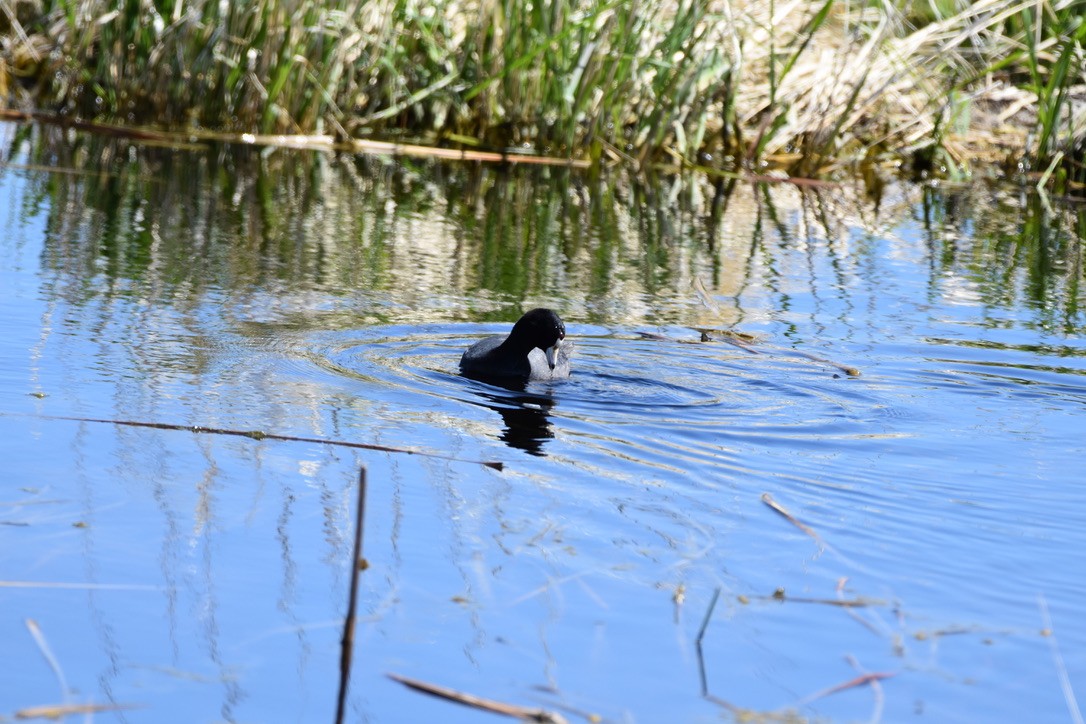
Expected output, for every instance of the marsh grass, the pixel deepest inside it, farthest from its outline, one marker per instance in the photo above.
(806, 85)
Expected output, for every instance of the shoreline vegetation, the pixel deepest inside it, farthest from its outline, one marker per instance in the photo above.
(935, 88)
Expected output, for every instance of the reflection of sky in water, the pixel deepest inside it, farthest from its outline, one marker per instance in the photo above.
(208, 573)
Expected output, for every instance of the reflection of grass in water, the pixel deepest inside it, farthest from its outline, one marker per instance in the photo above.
(420, 242)
(803, 84)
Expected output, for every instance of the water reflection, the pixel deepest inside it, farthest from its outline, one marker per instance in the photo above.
(327, 296)
(526, 416)
(393, 242)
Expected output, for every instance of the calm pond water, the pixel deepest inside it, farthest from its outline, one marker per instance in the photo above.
(187, 577)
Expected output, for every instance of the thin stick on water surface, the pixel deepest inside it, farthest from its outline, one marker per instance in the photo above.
(497, 707)
(847, 369)
(260, 435)
(737, 340)
(47, 653)
(870, 679)
(768, 500)
(876, 690)
(846, 603)
(67, 708)
(357, 564)
(56, 712)
(823, 545)
(1061, 668)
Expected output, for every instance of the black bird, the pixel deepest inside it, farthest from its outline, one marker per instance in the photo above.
(516, 356)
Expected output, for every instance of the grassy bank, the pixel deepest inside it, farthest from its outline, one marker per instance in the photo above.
(804, 85)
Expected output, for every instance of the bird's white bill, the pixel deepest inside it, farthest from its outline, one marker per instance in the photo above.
(552, 354)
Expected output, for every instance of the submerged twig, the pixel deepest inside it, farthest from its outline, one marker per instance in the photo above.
(550, 583)
(736, 339)
(519, 712)
(768, 500)
(850, 610)
(1061, 668)
(56, 712)
(862, 680)
(259, 435)
(703, 294)
(876, 690)
(823, 545)
(848, 370)
(47, 653)
(358, 563)
(740, 341)
(779, 595)
(743, 341)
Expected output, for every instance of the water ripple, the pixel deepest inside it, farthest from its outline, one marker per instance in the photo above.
(669, 405)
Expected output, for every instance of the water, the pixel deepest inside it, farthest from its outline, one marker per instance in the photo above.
(203, 577)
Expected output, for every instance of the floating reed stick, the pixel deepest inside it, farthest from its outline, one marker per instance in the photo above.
(259, 435)
(518, 712)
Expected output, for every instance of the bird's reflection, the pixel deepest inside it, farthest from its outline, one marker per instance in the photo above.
(526, 415)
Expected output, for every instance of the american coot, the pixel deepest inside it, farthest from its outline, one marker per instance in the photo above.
(518, 356)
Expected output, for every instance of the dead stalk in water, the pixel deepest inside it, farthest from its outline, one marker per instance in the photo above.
(47, 653)
(1057, 658)
(496, 707)
(768, 500)
(260, 435)
(358, 563)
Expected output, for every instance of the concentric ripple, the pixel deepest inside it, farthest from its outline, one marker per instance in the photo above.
(656, 403)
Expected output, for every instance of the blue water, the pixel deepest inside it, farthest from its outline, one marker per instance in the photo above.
(176, 576)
